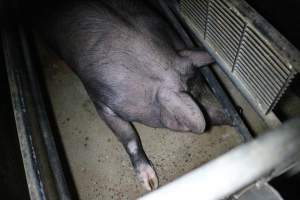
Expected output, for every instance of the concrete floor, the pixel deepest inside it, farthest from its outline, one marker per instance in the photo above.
(100, 167)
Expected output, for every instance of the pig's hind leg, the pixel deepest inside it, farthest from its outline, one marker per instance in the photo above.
(128, 136)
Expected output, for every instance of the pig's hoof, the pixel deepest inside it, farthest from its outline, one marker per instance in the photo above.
(147, 176)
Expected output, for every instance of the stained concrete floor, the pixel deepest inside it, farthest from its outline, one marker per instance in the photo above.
(99, 165)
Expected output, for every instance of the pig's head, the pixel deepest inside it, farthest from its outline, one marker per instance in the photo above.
(179, 112)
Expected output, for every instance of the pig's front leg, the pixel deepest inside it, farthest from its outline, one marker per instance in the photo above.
(196, 57)
(128, 136)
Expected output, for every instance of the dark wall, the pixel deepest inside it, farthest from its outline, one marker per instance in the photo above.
(283, 15)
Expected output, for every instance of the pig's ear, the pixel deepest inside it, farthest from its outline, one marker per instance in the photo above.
(179, 112)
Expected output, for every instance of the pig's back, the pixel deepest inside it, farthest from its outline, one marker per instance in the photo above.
(112, 45)
(77, 30)
(89, 33)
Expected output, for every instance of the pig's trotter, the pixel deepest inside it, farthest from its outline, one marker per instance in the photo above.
(147, 176)
(128, 136)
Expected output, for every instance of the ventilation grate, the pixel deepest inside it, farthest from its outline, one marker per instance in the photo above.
(224, 30)
(246, 53)
(197, 14)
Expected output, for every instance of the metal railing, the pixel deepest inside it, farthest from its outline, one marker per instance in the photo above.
(262, 159)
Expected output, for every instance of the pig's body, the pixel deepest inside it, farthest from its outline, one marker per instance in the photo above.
(128, 59)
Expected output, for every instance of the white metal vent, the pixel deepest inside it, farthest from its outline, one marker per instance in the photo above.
(247, 54)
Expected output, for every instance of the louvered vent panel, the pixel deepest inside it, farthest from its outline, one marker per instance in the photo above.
(261, 69)
(243, 50)
(224, 30)
(197, 13)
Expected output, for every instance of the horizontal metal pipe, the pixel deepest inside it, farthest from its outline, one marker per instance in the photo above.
(274, 151)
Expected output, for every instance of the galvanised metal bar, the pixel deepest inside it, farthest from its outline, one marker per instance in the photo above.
(42, 116)
(226, 103)
(18, 88)
(40, 157)
(275, 150)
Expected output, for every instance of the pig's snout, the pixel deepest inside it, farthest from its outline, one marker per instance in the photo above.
(195, 121)
(198, 125)
(179, 112)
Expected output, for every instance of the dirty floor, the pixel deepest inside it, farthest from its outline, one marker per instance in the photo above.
(100, 167)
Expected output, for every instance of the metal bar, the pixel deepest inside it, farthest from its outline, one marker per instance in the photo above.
(238, 168)
(45, 129)
(239, 47)
(226, 103)
(44, 173)
(18, 88)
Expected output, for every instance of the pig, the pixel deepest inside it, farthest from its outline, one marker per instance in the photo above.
(133, 65)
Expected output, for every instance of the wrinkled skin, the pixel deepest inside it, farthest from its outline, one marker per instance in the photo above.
(133, 66)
